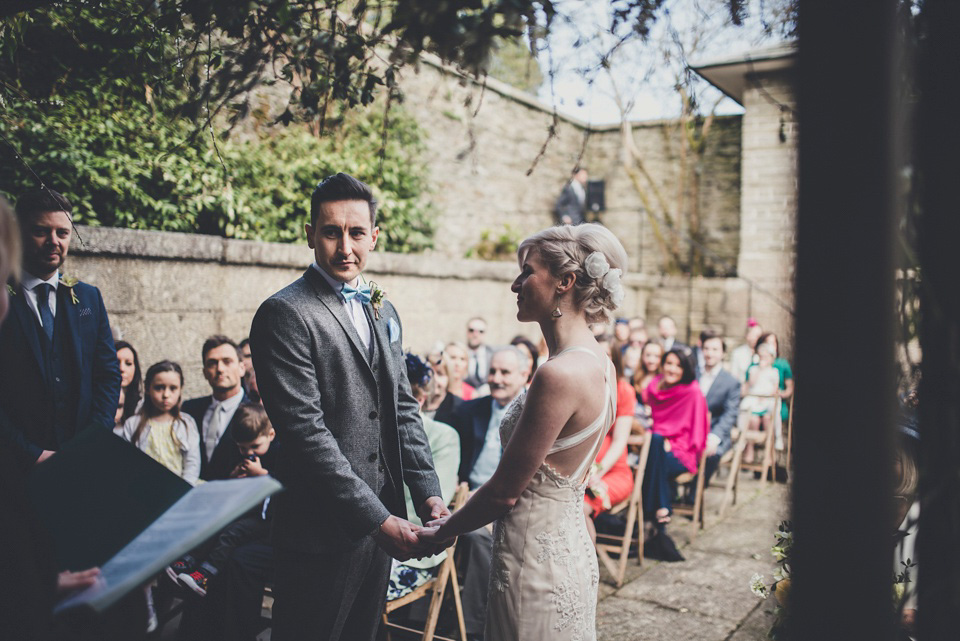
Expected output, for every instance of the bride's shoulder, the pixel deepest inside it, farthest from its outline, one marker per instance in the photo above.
(558, 375)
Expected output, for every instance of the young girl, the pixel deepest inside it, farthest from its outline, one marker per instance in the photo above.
(763, 383)
(160, 429)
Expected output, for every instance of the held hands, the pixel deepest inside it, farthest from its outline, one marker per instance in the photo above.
(398, 538)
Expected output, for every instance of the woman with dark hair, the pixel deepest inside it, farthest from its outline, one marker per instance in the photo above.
(130, 378)
(680, 426)
(529, 350)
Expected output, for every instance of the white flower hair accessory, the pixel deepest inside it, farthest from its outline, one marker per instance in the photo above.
(596, 266)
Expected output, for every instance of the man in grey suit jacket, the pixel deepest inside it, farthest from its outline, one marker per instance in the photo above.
(332, 377)
(722, 392)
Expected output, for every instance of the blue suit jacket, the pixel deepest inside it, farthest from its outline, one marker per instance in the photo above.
(723, 401)
(24, 393)
(471, 421)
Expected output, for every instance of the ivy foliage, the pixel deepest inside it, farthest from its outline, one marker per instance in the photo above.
(119, 148)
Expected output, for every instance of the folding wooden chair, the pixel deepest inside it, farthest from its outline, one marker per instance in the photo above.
(695, 511)
(434, 588)
(790, 432)
(620, 545)
(767, 464)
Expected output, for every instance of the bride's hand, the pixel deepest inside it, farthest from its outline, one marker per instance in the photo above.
(437, 523)
(430, 541)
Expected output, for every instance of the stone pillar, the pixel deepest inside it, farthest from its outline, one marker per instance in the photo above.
(768, 205)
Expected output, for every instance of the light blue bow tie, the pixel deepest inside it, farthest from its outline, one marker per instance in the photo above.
(349, 293)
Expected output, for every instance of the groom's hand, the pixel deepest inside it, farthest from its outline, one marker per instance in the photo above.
(398, 538)
(432, 509)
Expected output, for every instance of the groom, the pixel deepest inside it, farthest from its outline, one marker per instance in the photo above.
(331, 374)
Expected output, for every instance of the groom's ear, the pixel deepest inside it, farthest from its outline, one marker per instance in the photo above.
(308, 230)
(373, 237)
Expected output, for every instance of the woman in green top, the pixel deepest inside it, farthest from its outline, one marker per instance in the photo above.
(786, 374)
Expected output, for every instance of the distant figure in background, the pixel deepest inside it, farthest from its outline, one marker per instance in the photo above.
(160, 429)
(58, 363)
(763, 381)
(457, 360)
(118, 418)
(478, 352)
(526, 346)
(441, 404)
(667, 328)
(571, 206)
(786, 378)
(650, 357)
(743, 356)
(621, 331)
(131, 381)
(247, 365)
(215, 415)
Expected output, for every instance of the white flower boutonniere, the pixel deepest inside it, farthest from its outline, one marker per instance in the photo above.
(69, 282)
(377, 296)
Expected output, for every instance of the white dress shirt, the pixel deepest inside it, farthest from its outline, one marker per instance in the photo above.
(489, 457)
(30, 282)
(226, 409)
(353, 307)
(708, 377)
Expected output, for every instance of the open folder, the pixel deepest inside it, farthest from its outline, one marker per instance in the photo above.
(107, 504)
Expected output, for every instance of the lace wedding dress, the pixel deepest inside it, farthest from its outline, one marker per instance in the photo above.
(544, 574)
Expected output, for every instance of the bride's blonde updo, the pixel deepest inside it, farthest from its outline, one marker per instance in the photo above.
(593, 254)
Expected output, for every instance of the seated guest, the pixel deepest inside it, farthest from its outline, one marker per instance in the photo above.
(762, 383)
(680, 426)
(667, 328)
(722, 392)
(131, 384)
(441, 405)
(526, 346)
(455, 356)
(444, 442)
(215, 414)
(611, 479)
(247, 359)
(254, 435)
(478, 423)
(161, 429)
(478, 352)
(786, 379)
(621, 332)
(745, 355)
(649, 368)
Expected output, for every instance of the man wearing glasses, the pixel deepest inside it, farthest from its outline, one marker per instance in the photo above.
(479, 354)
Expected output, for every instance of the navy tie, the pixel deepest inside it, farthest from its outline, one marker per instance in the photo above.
(43, 305)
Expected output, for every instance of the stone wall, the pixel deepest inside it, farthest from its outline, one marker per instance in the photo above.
(479, 159)
(166, 292)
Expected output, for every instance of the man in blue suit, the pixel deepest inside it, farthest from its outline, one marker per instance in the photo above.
(478, 423)
(722, 392)
(58, 365)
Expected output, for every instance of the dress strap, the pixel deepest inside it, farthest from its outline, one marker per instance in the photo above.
(598, 424)
(576, 348)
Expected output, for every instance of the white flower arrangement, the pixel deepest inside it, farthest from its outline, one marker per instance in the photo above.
(596, 266)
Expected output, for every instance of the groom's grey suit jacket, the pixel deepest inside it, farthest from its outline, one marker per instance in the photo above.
(350, 428)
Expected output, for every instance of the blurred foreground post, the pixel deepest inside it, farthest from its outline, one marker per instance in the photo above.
(842, 561)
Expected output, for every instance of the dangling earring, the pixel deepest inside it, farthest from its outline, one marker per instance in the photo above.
(557, 313)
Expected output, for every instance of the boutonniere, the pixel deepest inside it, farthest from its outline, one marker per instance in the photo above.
(69, 282)
(377, 296)
(11, 290)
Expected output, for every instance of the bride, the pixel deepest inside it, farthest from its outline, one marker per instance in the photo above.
(544, 575)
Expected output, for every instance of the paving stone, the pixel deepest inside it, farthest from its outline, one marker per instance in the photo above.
(628, 620)
(711, 584)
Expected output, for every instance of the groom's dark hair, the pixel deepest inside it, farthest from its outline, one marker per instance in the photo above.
(342, 187)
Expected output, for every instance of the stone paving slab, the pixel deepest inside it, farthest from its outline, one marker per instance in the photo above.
(707, 597)
(628, 620)
(715, 585)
